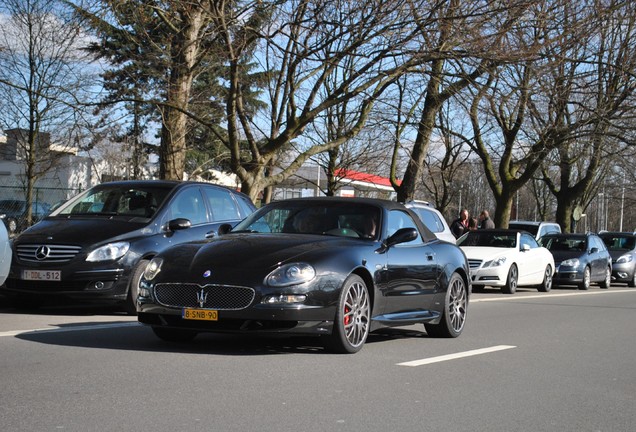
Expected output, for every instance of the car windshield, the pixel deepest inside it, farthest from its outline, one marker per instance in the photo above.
(563, 243)
(619, 243)
(315, 217)
(489, 238)
(531, 228)
(141, 201)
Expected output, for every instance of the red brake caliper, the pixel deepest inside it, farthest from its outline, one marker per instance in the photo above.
(347, 317)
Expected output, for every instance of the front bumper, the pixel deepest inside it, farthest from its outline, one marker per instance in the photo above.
(623, 272)
(85, 285)
(255, 319)
(567, 276)
(489, 276)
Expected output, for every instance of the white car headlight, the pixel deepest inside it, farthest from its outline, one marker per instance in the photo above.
(111, 251)
(153, 268)
(496, 262)
(573, 262)
(290, 274)
(625, 259)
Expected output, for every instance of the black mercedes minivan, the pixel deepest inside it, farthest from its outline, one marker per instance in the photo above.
(96, 246)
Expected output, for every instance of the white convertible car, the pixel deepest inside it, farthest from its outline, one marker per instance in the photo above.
(507, 259)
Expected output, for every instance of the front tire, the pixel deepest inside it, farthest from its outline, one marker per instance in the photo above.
(632, 282)
(585, 284)
(608, 279)
(352, 322)
(174, 335)
(455, 308)
(547, 280)
(511, 282)
(130, 305)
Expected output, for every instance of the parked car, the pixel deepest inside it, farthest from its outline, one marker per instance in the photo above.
(331, 267)
(15, 213)
(580, 259)
(537, 228)
(5, 253)
(507, 259)
(96, 246)
(433, 219)
(622, 249)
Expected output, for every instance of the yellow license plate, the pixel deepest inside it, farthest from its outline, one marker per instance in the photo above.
(200, 314)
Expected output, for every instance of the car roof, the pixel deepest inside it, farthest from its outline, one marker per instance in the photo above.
(372, 201)
(617, 233)
(535, 223)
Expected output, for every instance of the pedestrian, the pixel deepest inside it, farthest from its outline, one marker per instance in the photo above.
(486, 222)
(460, 225)
(473, 224)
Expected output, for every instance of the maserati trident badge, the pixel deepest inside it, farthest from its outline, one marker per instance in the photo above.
(202, 297)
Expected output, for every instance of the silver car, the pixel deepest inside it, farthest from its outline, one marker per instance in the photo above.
(433, 219)
(622, 248)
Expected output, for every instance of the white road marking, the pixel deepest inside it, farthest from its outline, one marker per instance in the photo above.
(456, 356)
(70, 328)
(546, 295)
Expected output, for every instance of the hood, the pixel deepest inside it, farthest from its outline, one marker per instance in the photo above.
(485, 253)
(82, 231)
(255, 251)
(616, 254)
(564, 255)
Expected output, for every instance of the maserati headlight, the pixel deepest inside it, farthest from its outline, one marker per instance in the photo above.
(290, 274)
(496, 262)
(111, 251)
(153, 268)
(573, 262)
(625, 259)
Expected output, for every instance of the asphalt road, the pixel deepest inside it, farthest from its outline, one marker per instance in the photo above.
(558, 361)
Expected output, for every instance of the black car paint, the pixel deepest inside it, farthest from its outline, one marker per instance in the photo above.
(407, 284)
(147, 237)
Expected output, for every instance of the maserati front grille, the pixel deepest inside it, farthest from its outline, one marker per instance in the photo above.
(220, 297)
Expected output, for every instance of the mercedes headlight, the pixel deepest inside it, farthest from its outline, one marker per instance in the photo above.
(290, 274)
(111, 251)
(496, 262)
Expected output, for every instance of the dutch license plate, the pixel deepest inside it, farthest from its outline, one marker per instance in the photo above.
(42, 275)
(200, 314)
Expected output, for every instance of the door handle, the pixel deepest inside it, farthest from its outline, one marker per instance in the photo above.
(210, 235)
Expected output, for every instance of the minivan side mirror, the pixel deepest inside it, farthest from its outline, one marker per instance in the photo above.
(179, 224)
(593, 250)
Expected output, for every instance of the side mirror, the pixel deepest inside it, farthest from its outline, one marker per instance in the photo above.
(403, 235)
(224, 229)
(179, 224)
(593, 250)
(525, 247)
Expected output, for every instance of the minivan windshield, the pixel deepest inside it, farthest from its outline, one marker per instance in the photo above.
(116, 200)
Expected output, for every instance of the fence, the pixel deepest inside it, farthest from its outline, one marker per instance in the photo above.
(13, 203)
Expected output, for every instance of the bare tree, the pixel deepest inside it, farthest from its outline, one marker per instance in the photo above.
(42, 75)
(590, 103)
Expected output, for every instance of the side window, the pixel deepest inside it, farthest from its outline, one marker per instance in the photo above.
(597, 243)
(245, 205)
(430, 219)
(221, 203)
(529, 240)
(398, 220)
(189, 204)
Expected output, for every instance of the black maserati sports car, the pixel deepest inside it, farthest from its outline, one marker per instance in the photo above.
(337, 268)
